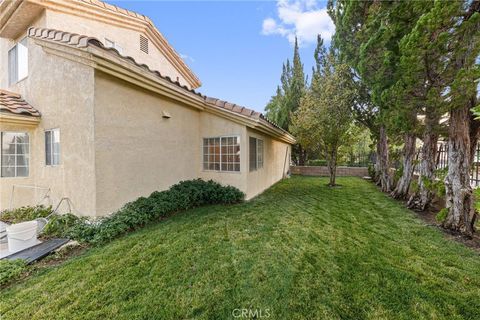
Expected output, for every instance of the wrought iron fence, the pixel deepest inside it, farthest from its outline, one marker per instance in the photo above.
(442, 162)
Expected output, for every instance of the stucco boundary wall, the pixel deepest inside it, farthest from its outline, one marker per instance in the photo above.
(323, 171)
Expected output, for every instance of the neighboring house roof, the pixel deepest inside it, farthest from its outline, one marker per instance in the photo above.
(13, 103)
(83, 42)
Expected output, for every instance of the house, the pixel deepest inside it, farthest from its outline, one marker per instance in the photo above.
(97, 109)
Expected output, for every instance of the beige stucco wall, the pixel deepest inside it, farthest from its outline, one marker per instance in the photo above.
(275, 164)
(62, 90)
(138, 151)
(115, 145)
(7, 44)
(128, 39)
(214, 126)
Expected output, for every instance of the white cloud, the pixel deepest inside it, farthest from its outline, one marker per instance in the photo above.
(302, 18)
(186, 57)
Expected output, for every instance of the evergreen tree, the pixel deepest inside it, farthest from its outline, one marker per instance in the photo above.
(287, 99)
(368, 34)
(423, 64)
(461, 97)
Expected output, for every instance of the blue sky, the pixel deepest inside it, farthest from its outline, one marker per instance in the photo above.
(237, 48)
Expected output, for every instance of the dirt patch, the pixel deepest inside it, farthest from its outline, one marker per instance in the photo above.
(52, 260)
(428, 216)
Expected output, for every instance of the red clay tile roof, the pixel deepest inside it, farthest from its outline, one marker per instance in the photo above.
(13, 103)
(81, 41)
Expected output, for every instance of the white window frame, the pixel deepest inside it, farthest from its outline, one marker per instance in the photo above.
(221, 155)
(52, 162)
(18, 68)
(259, 154)
(14, 155)
(112, 44)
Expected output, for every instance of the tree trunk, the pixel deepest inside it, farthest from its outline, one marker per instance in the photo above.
(422, 199)
(401, 190)
(383, 163)
(459, 197)
(332, 167)
(301, 156)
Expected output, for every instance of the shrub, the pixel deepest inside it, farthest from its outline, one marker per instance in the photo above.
(437, 185)
(441, 215)
(25, 214)
(59, 225)
(10, 270)
(317, 163)
(182, 196)
(371, 171)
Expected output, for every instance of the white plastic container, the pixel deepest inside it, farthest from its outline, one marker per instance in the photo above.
(3, 232)
(21, 236)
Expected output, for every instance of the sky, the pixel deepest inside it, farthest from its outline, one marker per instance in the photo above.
(237, 48)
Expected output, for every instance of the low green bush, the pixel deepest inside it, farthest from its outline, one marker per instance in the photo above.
(59, 225)
(10, 270)
(442, 215)
(182, 196)
(25, 214)
(437, 185)
(371, 171)
(317, 163)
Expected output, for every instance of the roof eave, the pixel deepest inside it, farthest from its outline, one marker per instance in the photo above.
(252, 123)
(18, 119)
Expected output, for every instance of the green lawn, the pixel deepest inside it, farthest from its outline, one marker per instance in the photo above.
(299, 251)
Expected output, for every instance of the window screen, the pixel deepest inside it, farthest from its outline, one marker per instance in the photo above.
(255, 153)
(52, 147)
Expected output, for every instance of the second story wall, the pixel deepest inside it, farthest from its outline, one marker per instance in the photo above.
(127, 41)
(130, 33)
(6, 45)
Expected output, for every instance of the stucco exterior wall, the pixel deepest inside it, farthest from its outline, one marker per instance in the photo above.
(115, 144)
(7, 44)
(214, 126)
(137, 150)
(128, 39)
(62, 90)
(276, 164)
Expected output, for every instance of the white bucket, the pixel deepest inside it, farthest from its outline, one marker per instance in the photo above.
(21, 236)
(3, 232)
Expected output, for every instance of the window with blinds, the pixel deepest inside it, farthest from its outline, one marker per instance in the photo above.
(255, 153)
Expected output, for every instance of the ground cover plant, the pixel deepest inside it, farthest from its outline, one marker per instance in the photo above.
(301, 250)
(134, 215)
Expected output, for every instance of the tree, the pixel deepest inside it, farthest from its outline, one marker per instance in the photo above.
(324, 119)
(368, 34)
(463, 71)
(423, 64)
(287, 99)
